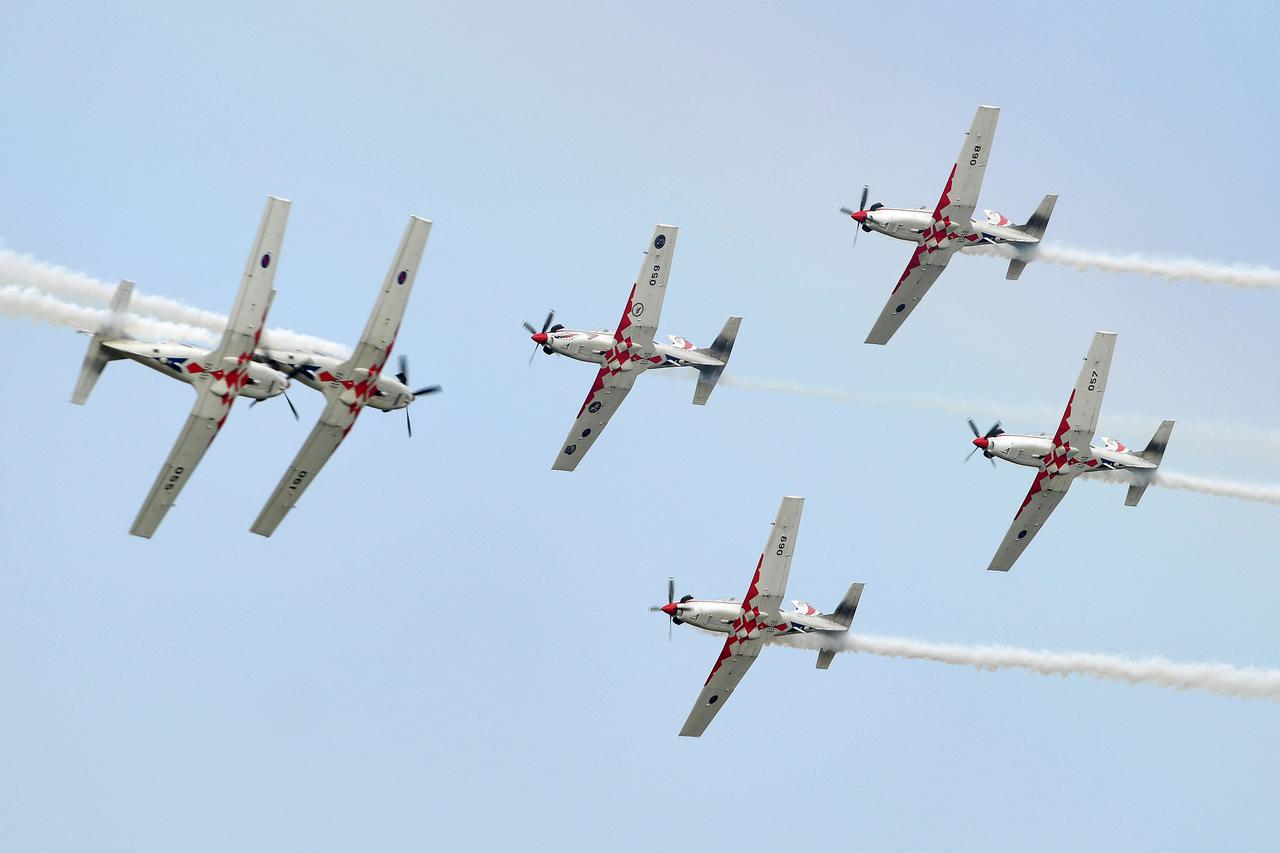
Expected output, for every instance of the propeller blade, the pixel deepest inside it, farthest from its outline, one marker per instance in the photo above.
(430, 389)
(866, 190)
(670, 624)
(971, 452)
(403, 375)
(551, 315)
(995, 430)
(531, 329)
(992, 459)
(291, 406)
(532, 354)
(255, 402)
(974, 427)
(846, 211)
(408, 423)
(671, 590)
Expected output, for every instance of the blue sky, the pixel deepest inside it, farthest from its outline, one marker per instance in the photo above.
(447, 643)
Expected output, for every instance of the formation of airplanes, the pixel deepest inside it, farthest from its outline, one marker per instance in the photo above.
(241, 365)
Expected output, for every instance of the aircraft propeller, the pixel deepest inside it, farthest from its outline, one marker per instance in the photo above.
(546, 326)
(862, 205)
(403, 376)
(272, 363)
(980, 440)
(670, 608)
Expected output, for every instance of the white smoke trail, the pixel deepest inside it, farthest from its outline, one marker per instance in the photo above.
(1173, 269)
(41, 307)
(23, 271)
(1201, 485)
(1246, 437)
(1220, 678)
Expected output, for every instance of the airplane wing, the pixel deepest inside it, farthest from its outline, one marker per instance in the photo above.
(1081, 416)
(937, 244)
(606, 395)
(632, 347)
(223, 372)
(960, 198)
(351, 384)
(747, 637)
(922, 271)
(1045, 495)
(634, 332)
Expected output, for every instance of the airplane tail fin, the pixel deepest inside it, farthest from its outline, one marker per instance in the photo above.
(844, 615)
(709, 375)
(1033, 227)
(1154, 452)
(96, 358)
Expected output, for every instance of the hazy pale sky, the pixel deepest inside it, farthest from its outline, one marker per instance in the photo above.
(447, 643)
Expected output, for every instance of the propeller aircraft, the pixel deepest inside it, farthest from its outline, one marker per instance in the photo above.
(756, 619)
(351, 385)
(940, 231)
(218, 376)
(1068, 454)
(629, 350)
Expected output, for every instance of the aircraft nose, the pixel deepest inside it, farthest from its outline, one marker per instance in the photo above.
(669, 609)
(539, 338)
(981, 442)
(860, 216)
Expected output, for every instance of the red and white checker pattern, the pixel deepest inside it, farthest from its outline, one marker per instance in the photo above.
(1060, 460)
(941, 235)
(749, 625)
(620, 354)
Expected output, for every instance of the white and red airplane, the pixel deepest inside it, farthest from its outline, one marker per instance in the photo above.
(218, 376)
(629, 350)
(1068, 453)
(940, 231)
(756, 619)
(350, 385)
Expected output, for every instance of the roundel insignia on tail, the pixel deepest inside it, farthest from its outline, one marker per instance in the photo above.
(659, 241)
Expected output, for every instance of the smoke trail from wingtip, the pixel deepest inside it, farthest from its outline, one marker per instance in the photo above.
(1231, 435)
(1247, 277)
(35, 305)
(25, 272)
(1223, 679)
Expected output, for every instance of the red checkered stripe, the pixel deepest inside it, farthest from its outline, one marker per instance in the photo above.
(1060, 459)
(748, 625)
(236, 378)
(940, 235)
(364, 388)
(622, 352)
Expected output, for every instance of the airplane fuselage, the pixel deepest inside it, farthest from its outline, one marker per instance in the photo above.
(1031, 450)
(186, 363)
(592, 346)
(910, 223)
(318, 372)
(718, 617)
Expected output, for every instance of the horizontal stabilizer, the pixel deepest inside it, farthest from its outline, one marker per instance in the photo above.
(720, 350)
(1016, 267)
(96, 358)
